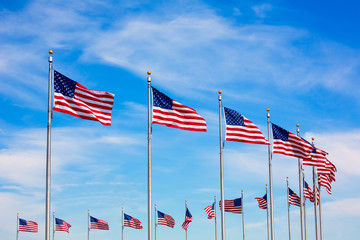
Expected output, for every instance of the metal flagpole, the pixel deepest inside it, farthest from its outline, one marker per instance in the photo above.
(301, 190)
(215, 217)
(122, 223)
(155, 221)
(315, 200)
(221, 172)
(48, 153)
(53, 225)
(88, 224)
(17, 226)
(320, 214)
(243, 218)
(305, 228)
(149, 159)
(267, 212)
(272, 232)
(287, 183)
(185, 218)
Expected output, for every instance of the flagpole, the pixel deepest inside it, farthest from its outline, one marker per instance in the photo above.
(149, 159)
(122, 223)
(185, 219)
(315, 200)
(287, 183)
(88, 224)
(305, 227)
(320, 214)
(267, 213)
(155, 221)
(17, 226)
(272, 232)
(48, 153)
(53, 225)
(215, 217)
(221, 172)
(300, 189)
(243, 218)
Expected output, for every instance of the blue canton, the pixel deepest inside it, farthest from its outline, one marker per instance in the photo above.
(188, 214)
(280, 133)
(127, 217)
(237, 202)
(232, 117)
(58, 221)
(92, 219)
(160, 214)
(265, 197)
(291, 192)
(161, 100)
(22, 222)
(64, 85)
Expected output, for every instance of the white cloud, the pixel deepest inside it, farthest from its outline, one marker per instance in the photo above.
(261, 10)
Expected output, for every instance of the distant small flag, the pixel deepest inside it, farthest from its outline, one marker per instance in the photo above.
(294, 199)
(72, 98)
(98, 224)
(317, 159)
(210, 210)
(241, 129)
(234, 205)
(188, 220)
(132, 222)
(169, 112)
(165, 219)
(27, 226)
(308, 193)
(324, 180)
(289, 144)
(262, 201)
(61, 225)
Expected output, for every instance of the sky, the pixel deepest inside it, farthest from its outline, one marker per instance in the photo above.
(299, 59)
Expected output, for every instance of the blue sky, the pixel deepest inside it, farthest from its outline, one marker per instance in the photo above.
(301, 60)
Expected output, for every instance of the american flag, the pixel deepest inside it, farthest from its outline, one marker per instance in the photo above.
(294, 199)
(165, 219)
(210, 210)
(98, 224)
(27, 226)
(132, 222)
(62, 225)
(262, 201)
(241, 129)
(317, 159)
(188, 220)
(308, 193)
(234, 206)
(169, 112)
(72, 98)
(324, 180)
(289, 144)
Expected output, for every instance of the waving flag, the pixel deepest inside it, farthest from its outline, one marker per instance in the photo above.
(27, 226)
(188, 220)
(62, 225)
(262, 201)
(168, 112)
(317, 159)
(98, 224)
(289, 144)
(234, 206)
(132, 222)
(241, 129)
(210, 210)
(72, 98)
(308, 193)
(324, 180)
(294, 199)
(164, 219)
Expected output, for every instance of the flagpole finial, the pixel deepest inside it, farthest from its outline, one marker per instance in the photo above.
(297, 125)
(123, 207)
(185, 201)
(155, 204)
(50, 52)
(242, 190)
(17, 214)
(220, 92)
(148, 73)
(313, 139)
(88, 210)
(266, 185)
(268, 109)
(287, 177)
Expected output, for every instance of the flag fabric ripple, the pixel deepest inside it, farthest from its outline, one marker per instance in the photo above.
(165, 219)
(98, 224)
(294, 199)
(241, 129)
(262, 201)
(132, 222)
(62, 225)
(72, 98)
(210, 210)
(234, 205)
(27, 226)
(188, 219)
(169, 112)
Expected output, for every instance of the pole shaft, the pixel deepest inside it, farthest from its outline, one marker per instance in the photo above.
(88, 225)
(221, 175)
(243, 218)
(287, 183)
(155, 221)
(186, 235)
(17, 226)
(149, 162)
(272, 230)
(215, 218)
(320, 215)
(48, 156)
(315, 203)
(305, 227)
(122, 224)
(301, 193)
(267, 214)
(53, 225)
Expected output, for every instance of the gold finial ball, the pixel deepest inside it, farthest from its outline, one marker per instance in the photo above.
(50, 52)
(266, 184)
(268, 109)
(148, 73)
(220, 92)
(313, 139)
(287, 177)
(242, 190)
(297, 125)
